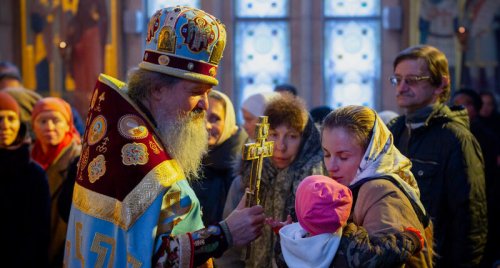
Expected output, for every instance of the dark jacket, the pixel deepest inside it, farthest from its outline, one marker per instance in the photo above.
(448, 166)
(218, 174)
(25, 206)
(66, 197)
(489, 145)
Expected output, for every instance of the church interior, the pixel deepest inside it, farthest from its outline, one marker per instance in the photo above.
(335, 52)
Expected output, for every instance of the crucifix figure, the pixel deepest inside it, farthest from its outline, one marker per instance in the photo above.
(256, 152)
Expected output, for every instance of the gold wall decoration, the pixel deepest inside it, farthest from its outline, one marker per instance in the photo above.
(66, 44)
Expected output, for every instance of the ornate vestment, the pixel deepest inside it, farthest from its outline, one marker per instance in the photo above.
(129, 192)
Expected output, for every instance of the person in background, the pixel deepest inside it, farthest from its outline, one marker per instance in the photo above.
(286, 88)
(319, 113)
(490, 107)
(143, 146)
(447, 159)
(471, 101)
(225, 140)
(253, 107)
(489, 143)
(489, 115)
(11, 82)
(359, 153)
(25, 199)
(57, 145)
(296, 155)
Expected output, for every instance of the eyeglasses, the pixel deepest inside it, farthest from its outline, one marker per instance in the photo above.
(409, 80)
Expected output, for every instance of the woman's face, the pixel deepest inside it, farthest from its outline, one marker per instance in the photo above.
(9, 127)
(286, 145)
(50, 127)
(342, 154)
(215, 120)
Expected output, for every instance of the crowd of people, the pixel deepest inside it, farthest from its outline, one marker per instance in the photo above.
(154, 177)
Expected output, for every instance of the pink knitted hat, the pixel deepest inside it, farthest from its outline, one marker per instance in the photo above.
(322, 204)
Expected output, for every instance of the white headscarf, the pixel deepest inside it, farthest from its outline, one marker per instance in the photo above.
(230, 126)
(382, 158)
(256, 103)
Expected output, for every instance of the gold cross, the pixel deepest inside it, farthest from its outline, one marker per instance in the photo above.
(256, 152)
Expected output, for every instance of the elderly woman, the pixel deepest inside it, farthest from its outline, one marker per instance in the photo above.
(57, 145)
(224, 143)
(25, 199)
(297, 154)
(359, 153)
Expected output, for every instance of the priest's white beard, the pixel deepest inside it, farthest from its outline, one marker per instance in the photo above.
(186, 139)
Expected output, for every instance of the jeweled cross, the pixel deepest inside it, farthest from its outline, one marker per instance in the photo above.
(256, 152)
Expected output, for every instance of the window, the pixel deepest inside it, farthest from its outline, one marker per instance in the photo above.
(352, 52)
(262, 46)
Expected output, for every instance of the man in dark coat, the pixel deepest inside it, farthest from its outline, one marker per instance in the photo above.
(447, 159)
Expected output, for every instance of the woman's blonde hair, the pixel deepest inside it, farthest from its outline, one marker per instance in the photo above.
(357, 120)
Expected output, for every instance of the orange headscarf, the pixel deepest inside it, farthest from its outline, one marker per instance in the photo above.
(58, 105)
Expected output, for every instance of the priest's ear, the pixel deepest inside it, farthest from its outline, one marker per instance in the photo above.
(158, 93)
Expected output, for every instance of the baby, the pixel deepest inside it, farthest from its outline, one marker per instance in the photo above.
(322, 206)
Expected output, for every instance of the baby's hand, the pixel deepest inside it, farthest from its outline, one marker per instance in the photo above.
(276, 225)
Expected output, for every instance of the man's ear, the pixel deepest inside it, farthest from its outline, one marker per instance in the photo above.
(445, 82)
(157, 94)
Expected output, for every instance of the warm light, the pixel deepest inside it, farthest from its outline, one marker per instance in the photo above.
(62, 44)
(461, 29)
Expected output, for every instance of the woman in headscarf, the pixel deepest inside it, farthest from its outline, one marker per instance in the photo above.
(57, 145)
(296, 155)
(359, 153)
(224, 144)
(25, 199)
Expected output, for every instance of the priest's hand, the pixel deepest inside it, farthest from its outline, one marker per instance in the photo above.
(245, 224)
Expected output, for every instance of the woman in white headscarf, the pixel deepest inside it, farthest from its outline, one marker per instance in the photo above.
(359, 153)
(224, 142)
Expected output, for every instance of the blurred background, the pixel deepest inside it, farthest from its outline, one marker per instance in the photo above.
(334, 52)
